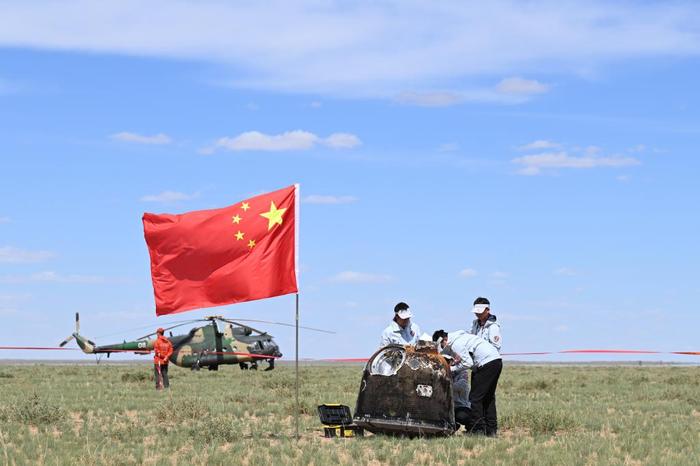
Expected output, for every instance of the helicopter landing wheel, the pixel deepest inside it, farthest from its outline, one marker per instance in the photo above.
(243, 366)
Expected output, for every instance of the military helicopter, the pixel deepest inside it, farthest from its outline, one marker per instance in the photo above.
(203, 346)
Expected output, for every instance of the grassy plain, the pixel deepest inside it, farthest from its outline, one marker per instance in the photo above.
(110, 414)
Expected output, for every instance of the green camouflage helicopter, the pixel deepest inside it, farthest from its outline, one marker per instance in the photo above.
(203, 346)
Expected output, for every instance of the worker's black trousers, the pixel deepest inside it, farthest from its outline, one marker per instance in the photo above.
(161, 373)
(482, 397)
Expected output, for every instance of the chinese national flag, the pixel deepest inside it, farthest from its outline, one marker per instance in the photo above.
(222, 256)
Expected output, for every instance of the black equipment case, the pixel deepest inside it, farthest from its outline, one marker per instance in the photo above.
(337, 421)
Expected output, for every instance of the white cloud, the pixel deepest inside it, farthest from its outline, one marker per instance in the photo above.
(9, 254)
(468, 273)
(539, 145)
(363, 48)
(565, 271)
(499, 275)
(7, 298)
(52, 277)
(5, 220)
(521, 87)
(360, 277)
(536, 164)
(342, 141)
(323, 199)
(287, 141)
(316, 104)
(169, 196)
(561, 328)
(429, 98)
(158, 139)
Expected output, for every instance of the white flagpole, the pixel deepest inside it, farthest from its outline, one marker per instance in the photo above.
(296, 272)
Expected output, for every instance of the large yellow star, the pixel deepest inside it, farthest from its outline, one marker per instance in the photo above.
(236, 219)
(239, 235)
(274, 216)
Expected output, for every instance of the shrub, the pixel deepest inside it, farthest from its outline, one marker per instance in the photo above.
(36, 411)
(217, 430)
(139, 376)
(186, 409)
(539, 421)
(536, 385)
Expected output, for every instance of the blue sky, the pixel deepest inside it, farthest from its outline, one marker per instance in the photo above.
(543, 155)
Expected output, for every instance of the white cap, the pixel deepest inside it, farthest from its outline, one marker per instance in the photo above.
(405, 314)
(480, 308)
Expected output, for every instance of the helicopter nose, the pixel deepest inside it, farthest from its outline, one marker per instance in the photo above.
(272, 349)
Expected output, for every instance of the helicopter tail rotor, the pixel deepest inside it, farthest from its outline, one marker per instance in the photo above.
(87, 345)
(72, 336)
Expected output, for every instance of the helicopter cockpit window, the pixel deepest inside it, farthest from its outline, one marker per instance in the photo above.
(388, 361)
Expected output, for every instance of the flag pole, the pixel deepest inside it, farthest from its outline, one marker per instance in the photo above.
(296, 363)
(297, 203)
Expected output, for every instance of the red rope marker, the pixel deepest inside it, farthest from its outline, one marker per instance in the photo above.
(45, 348)
(266, 356)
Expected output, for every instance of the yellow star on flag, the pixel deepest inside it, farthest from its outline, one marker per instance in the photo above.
(239, 235)
(236, 219)
(245, 206)
(274, 216)
(251, 243)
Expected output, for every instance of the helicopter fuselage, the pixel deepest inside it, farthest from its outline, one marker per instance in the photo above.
(203, 346)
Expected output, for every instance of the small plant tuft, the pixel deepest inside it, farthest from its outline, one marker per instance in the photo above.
(36, 411)
(539, 421)
(140, 376)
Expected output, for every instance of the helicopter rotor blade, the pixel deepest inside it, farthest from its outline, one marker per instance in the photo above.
(172, 327)
(65, 342)
(241, 325)
(275, 323)
(145, 326)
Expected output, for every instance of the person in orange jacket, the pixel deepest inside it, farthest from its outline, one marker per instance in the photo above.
(163, 349)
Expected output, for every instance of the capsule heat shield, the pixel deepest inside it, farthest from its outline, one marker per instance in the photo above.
(406, 391)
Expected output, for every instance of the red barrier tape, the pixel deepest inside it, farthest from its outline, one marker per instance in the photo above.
(37, 348)
(57, 348)
(544, 353)
(266, 356)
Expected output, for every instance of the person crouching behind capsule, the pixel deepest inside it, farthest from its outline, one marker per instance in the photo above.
(401, 331)
(472, 352)
(162, 350)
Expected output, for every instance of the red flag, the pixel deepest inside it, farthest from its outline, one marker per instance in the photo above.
(222, 256)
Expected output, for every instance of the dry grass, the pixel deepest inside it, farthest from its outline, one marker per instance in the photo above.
(549, 415)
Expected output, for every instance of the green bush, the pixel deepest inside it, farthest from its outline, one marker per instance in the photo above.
(215, 430)
(186, 409)
(538, 421)
(140, 376)
(36, 411)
